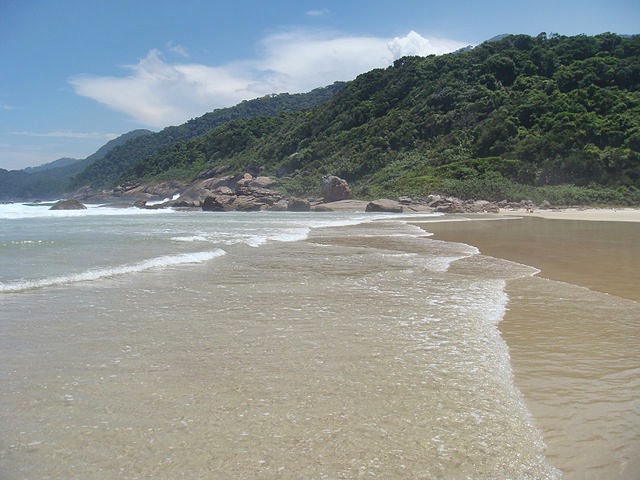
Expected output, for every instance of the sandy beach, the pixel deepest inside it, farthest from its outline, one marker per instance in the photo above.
(594, 248)
(590, 214)
(572, 330)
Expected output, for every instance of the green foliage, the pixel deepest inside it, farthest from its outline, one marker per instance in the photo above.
(546, 117)
(108, 171)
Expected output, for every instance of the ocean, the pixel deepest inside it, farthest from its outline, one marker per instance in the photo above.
(171, 344)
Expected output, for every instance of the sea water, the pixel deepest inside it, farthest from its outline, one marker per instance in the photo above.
(162, 344)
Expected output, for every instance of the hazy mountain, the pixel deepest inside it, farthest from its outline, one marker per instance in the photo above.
(61, 162)
(51, 180)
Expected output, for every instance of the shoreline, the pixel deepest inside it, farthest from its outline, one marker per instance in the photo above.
(626, 214)
(597, 249)
(573, 349)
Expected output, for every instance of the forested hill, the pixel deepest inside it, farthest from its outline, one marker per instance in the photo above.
(493, 121)
(108, 169)
(51, 180)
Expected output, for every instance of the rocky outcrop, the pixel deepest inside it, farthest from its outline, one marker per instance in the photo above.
(334, 189)
(298, 205)
(213, 204)
(384, 205)
(71, 204)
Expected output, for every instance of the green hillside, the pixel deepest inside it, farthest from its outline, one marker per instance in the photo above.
(52, 180)
(521, 117)
(107, 171)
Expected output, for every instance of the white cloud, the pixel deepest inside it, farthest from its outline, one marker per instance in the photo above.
(179, 49)
(415, 44)
(158, 93)
(318, 13)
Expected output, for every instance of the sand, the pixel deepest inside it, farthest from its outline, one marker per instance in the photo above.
(590, 214)
(600, 251)
(573, 349)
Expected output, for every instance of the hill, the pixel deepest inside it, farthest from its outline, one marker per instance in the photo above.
(61, 162)
(520, 116)
(51, 180)
(106, 171)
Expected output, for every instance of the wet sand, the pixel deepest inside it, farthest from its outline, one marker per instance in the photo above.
(574, 350)
(602, 256)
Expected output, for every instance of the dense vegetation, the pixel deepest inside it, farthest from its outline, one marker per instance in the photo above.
(107, 170)
(550, 117)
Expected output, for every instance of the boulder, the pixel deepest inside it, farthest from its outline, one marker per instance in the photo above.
(321, 208)
(264, 182)
(246, 203)
(213, 204)
(334, 189)
(71, 204)
(279, 206)
(384, 205)
(298, 205)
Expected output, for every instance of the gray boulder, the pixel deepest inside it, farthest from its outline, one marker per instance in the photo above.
(71, 204)
(213, 204)
(298, 205)
(384, 205)
(334, 189)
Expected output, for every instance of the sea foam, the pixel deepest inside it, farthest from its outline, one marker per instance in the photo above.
(160, 262)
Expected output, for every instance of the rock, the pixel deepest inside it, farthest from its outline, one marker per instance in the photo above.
(263, 196)
(213, 204)
(334, 189)
(321, 208)
(279, 206)
(298, 205)
(71, 204)
(405, 200)
(264, 182)
(246, 203)
(223, 191)
(384, 205)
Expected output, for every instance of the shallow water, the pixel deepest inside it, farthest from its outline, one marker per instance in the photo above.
(355, 353)
(574, 343)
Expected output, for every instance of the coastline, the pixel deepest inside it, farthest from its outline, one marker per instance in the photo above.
(576, 213)
(572, 330)
(593, 248)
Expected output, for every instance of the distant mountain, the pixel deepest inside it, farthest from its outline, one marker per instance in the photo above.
(107, 170)
(51, 180)
(61, 162)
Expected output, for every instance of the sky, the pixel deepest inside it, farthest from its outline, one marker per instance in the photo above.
(76, 73)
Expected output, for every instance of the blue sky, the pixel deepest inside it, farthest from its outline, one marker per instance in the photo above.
(76, 73)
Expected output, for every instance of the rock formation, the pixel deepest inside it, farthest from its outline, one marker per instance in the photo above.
(71, 204)
(298, 205)
(384, 205)
(334, 189)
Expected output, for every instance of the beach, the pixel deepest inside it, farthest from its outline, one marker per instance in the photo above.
(331, 345)
(573, 329)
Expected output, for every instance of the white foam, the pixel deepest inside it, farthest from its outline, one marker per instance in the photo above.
(191, 238)
(164, 200)
(14, 211)
(96, 274)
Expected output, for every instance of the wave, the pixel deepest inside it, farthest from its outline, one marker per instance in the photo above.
(163, 261)
(16, 211)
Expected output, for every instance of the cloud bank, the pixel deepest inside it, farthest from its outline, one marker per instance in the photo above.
(158, 93)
